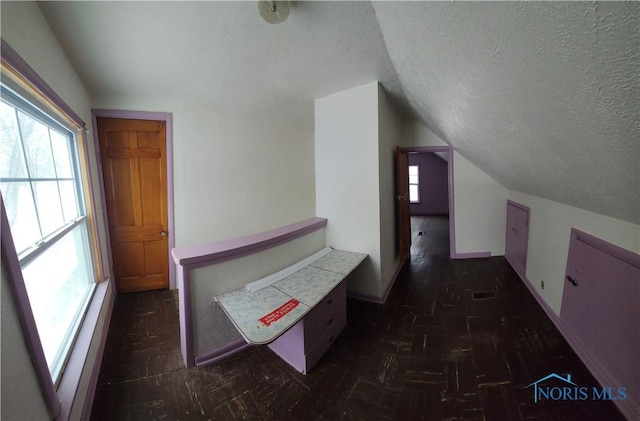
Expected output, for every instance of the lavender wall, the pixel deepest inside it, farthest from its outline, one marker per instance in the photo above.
(434, 190)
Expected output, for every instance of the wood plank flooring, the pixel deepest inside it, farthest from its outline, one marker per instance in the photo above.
(431, 352)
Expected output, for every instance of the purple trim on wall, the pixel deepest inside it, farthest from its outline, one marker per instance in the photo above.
(619, 252)
(222, 353)
(515, 266)
(95, 372)
(619, 289)
(13, 59)
(186, 315)
(520, 270)
(387, 291)
(25, 314)
(68, 388)
(625, 406)
(237, 247)
(452, 214)
(142, 115)
(188, 258)
(477, 255)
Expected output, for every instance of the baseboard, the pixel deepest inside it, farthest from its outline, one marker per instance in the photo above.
(221, 353)
(478, 255)
(628, 407)
(387, 291)
(365, 297)
(519, 270)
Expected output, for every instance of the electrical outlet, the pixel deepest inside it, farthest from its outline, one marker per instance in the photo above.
(542, 284)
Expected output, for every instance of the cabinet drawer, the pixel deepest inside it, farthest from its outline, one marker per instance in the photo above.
(328, 312)
(314, 354)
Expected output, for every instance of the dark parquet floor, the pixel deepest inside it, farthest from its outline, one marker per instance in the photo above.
(430, 352)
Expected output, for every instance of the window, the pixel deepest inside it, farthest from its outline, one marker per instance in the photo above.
(43, 193)
(414, 191)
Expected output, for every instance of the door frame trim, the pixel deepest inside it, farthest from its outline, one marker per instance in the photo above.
(452, 214)
(522, 271)
(167, 118)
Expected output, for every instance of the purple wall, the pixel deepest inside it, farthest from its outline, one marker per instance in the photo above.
(434, 187)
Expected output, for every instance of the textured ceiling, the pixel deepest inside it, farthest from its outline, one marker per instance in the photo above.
(221, 53)
(541, 96)
(544, 97)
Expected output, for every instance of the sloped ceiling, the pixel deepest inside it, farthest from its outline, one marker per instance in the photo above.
(541, 96)
(221, 53)
(544, 97)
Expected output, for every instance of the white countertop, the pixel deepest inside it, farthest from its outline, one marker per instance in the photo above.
(284, 303)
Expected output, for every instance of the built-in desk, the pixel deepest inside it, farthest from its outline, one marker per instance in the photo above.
(300, 315)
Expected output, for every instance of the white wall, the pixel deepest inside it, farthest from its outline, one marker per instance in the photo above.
(235, 174)
(480, 209)
(390, 135)
(347, 190)
(550, 225)
(21, 396)
(26, 31)
(480, 201)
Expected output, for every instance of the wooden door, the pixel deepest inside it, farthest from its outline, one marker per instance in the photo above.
(402, 203)
(133, 154)
(600, 307)
(517, 237)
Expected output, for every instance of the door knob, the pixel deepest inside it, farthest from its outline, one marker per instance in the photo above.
(573, 281)
(163, 233)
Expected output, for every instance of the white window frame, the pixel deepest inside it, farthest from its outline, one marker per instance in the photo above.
(45, 241)
(66, 396)
(417, 184)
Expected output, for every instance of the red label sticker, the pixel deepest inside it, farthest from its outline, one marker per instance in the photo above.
(279, 312)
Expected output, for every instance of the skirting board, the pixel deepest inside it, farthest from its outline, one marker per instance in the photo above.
(378, 300)
(221, 353)
(478, 255)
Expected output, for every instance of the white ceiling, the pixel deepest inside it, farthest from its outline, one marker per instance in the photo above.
(544, 97)
(221, 53)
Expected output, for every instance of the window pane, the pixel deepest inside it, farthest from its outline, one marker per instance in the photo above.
(35, 136)
(48, 203)
(413, 193)
(58, 283)
(69, 202)
(21, 213)
(413, 174)
(11, 156)
(61, 154)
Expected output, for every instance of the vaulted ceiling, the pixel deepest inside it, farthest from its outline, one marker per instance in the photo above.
(544, 97)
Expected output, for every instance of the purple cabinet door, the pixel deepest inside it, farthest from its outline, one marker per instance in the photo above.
(601, 309)
(517, 237)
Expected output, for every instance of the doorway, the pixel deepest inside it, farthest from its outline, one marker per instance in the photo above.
(430, 219)
(134, 151)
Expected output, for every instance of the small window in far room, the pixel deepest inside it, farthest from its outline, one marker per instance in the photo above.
(414, 195)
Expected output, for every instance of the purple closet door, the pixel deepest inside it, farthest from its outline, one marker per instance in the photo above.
(517, 236)
(601, 308)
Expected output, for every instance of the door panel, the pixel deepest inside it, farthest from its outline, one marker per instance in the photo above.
(517, 237)
(134, 169)
(120, 187)
(601, 307)
(151, 190)
(402, 203)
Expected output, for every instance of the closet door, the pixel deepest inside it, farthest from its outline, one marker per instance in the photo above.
(517, 237)
(601, 311)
